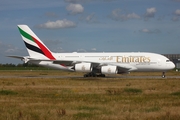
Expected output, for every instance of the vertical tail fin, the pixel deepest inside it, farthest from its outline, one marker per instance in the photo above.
(34, 45)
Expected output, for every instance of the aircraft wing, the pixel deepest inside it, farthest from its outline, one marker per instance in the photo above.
(120, 67)
(123, 67)
(66, 63)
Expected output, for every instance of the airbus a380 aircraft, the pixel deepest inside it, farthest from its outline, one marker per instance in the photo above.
(93, 64)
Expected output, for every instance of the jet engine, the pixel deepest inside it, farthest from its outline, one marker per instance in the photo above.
(109, 70)
(83, 67)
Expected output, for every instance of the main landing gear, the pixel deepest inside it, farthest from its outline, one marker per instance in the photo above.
(94, 75)
(163, 75)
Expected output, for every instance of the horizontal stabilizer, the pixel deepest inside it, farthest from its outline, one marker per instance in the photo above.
(18, 57)
(23, 58)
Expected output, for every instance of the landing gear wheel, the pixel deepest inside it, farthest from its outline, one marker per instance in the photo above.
(94, 75)
(90, 75)
(85, 75)
(101, 75)
(163, 75)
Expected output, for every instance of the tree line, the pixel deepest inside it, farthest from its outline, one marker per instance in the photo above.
(24, 66)
(18, 65)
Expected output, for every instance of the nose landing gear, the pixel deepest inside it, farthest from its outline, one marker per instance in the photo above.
(163, 75)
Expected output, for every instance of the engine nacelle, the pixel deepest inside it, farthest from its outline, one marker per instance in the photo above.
(83, 67)
(109, 70)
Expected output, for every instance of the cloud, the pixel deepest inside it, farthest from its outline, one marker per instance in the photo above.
(91, 18)
(175, 18)
(84, 50)
(57, 24)
(8, 49)
(54, 45)
(73, 1)
(177, 12)
(93, 49)
(118, 14)
(75, 8)
(150, 13)
(51, 14)
(84, 1)
(145, 30)
(176, 15)
(77, 1)
(81, 50)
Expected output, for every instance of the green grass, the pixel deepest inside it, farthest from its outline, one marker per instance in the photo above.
(176, 93)
(91, 98)
(132, 90)
(7, 92)
(83, 115)
(152, 109)
(87, 108)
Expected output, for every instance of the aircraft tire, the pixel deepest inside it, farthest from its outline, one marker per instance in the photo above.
(163, 75)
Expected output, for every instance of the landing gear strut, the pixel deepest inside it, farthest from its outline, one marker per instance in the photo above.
(94, 75)
(163, 75)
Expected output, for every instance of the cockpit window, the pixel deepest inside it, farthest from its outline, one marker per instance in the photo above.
(167, 60)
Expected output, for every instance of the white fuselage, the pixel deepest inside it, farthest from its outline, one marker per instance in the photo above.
(136, 61)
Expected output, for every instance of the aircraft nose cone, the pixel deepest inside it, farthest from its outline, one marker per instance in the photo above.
(172, 65)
